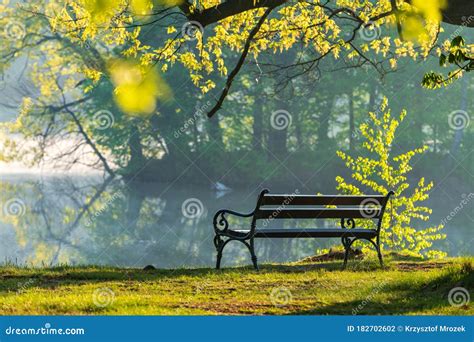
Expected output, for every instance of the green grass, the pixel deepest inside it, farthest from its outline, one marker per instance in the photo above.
(404, 287)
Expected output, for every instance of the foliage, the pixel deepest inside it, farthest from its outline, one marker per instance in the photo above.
(111, 29)
(117, 57)
(457, 54)
(137, 88)
(381, 172)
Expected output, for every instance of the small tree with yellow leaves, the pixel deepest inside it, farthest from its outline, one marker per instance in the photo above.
(379, 172)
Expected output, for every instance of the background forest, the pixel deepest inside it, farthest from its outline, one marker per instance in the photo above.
(279, 128)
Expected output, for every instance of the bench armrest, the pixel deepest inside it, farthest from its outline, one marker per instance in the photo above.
(220, 222)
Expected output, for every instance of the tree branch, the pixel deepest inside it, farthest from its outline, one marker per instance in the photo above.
(84, 134)
(239, 64)
(227, 9)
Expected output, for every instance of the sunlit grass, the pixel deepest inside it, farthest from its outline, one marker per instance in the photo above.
(405, 287)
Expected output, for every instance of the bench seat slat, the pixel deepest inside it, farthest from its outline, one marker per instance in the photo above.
(279, 199)
(312, 232)
(316, 213)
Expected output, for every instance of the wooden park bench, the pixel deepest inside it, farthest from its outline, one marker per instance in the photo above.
(294, 206)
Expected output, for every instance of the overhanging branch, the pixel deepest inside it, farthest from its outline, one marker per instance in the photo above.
(227, 9)
(239, 64)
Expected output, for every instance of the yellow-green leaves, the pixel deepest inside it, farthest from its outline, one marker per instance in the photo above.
(101, 10)
(380, 172)
(416, 21)
(141, 6)
(137, 88)
(431, 9)
(108, 24)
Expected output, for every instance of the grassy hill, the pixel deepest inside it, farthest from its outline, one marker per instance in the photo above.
(406, 286)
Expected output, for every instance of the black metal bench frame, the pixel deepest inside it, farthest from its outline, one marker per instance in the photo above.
(345, 208)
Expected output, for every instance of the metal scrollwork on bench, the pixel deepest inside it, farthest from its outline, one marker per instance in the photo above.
(224, 235)
(220, 222)
(218, 241)
(347, 223)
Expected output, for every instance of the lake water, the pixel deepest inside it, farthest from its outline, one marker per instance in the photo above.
(84, 220)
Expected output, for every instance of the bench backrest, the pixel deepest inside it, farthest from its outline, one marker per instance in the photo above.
(296, 206)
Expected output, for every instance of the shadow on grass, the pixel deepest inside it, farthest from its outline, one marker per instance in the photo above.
(405, 296)
(15, 278)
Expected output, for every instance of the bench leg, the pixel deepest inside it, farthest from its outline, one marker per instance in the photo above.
(252, 254)
(250, 246)
(378, 249)
(220, 249)
(379, 253)
(218, 260)
(346, 255)
(346, 242)
(219, 243)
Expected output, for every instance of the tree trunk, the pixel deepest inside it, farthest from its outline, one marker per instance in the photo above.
(137, 160)
(324, 117)
(280, 120)
(459, 132)
(298, 133)
(195, 137)
(214, 130)
(257, 124)
(373, 96)
(277, 141)
(351, 121)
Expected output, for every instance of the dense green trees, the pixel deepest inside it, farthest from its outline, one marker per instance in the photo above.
(287, 105)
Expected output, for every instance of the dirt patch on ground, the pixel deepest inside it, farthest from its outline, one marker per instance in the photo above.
(417, 266)
(333, 255)
(239, 308)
